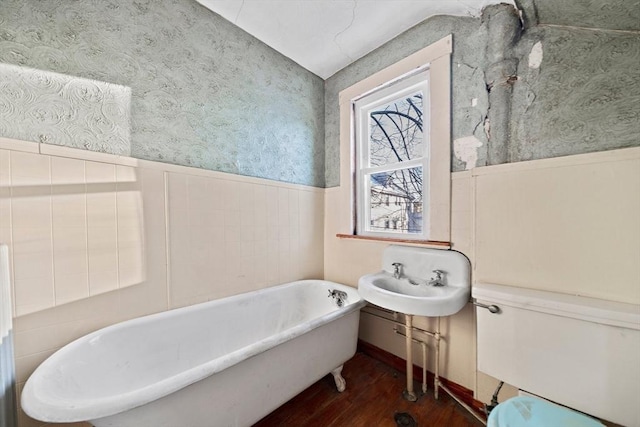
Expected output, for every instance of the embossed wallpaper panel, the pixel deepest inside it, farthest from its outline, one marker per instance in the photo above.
(167, 81)
(49, 107)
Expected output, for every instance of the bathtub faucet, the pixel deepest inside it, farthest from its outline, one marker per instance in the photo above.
(397, 273)
(338, 296)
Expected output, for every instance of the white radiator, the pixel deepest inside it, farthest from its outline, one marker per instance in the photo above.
(7, 367)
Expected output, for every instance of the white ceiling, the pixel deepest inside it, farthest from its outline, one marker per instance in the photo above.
(325, 36)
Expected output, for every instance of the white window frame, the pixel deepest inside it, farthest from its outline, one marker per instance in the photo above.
(437, 57)
(415, 82)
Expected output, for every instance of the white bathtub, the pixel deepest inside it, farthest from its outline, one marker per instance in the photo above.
(228, 362)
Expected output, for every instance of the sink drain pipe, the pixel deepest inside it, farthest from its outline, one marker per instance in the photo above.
(409, 394)
(409, 328)
(424, 357)
(437, 384)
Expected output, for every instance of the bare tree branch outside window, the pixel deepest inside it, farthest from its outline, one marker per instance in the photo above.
(395, 136)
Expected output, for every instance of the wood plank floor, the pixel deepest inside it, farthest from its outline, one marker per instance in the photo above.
(372, 398)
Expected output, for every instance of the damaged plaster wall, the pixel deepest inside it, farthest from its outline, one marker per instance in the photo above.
(503, 29)
(523, 89)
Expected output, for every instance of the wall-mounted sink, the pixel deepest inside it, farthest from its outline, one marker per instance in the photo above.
(409, 283)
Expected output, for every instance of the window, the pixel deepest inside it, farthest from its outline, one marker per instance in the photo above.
(392, 153)
(393, 188)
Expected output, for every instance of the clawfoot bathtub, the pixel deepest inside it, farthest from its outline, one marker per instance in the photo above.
(227, 362)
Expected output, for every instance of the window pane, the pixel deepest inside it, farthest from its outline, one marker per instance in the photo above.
(396, 201)
(395, 131)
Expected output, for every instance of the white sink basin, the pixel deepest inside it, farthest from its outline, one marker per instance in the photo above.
(400, 295)
(412, 293)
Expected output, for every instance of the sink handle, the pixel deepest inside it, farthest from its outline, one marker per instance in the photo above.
(438, 280)
(397, 273)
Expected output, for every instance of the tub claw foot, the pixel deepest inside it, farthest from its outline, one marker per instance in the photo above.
(341, 384)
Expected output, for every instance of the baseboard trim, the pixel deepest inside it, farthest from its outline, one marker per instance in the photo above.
(399, 364)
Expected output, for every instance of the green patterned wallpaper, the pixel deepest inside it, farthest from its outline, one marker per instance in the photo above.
(166, 81)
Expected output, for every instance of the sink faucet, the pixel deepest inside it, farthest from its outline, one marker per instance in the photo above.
(438, 280)
(396, 270)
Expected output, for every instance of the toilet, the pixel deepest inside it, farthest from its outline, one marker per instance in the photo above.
(580, 353)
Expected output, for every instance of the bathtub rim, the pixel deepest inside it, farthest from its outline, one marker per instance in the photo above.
(48, 408)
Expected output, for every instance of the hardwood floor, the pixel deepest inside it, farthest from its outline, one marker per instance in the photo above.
(372, 398)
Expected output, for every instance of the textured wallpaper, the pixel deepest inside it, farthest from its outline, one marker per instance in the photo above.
(48, 107)
(166, 81)
(605, 14)
(584, 96)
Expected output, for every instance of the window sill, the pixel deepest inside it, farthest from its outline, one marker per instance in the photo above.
(427, 243)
